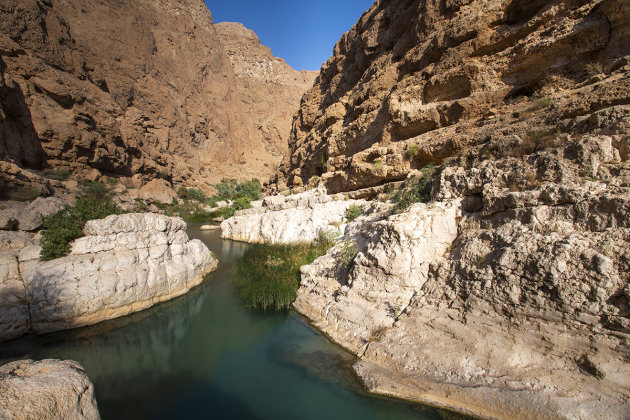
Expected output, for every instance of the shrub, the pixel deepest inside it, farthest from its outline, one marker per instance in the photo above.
(415, 190)
(53, 174)
(63, 227)
(348, 252)
(241, 203)
(412, 150)
(267, 276)
(353, 212)
(231, 189)
(94, 190)
(378, 164)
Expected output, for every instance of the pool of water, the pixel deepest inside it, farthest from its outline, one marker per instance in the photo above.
(205, 355)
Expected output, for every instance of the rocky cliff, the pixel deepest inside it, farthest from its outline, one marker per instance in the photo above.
(417, 81)
(141, 89)
(270, 91)
(506, 295)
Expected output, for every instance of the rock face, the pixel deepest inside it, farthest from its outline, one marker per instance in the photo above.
(125, 264)
(296, 218)
(142, 88)
(506, 297)
(49, 389)
(270, 89)
(28, 217)
(417, 81)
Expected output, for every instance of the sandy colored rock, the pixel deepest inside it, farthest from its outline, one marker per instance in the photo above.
(415, 82)
(48, 389)
(157, 190)
(141, 89)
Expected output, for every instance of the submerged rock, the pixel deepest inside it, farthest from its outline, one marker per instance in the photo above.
(49, 389)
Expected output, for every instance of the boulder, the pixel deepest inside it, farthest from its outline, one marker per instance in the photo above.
(124, 264)
(48, 389)
(157, 190)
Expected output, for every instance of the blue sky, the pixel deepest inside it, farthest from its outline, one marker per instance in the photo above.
(303, 32)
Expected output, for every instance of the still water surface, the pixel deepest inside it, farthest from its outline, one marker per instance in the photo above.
(205, 355)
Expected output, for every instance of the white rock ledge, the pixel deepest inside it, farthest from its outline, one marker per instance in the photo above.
(125, 264)
(289, 219)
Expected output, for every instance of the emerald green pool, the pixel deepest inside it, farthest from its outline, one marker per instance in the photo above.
(205, 355)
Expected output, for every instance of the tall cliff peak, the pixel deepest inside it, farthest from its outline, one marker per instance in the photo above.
(138, 89)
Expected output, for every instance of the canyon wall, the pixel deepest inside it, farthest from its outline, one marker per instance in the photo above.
(141, 89)
(417, 81)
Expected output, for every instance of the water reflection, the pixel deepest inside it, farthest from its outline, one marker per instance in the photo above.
(205, 355)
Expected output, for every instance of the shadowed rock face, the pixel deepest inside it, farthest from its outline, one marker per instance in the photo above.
(142, 88)
(417, 81)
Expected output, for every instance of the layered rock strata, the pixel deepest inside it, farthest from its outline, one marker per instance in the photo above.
(417, 81)
(47, 390)
(139, 89)
(506, 297)
(125, 263)
(289, 219)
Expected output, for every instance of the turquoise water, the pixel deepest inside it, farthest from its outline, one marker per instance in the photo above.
(205, 355)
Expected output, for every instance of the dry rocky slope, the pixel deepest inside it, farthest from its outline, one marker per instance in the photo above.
(139, 89)
(506, 295)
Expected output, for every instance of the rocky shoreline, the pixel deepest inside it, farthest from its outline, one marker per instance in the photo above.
(124, 264)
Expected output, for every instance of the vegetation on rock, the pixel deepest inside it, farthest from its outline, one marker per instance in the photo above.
(353, 212)
(63, 227)
(415, 190)
(267, 276)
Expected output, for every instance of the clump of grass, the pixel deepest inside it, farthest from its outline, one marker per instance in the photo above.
(348, 252)
(544, 102)
(353, 212)
(56, 175)
(415, 190)
(267, 276)
(378, 165)
(412, 150)
(22, 193)
(63, 227)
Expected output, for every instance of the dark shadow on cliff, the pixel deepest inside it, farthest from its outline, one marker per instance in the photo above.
(19, 141)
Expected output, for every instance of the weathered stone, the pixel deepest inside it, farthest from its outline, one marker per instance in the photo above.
(157, 190)
(124, 264)
(296, 218)
(48, 389)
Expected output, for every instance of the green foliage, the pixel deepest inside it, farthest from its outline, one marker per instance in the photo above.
(226, 212)
(191, 194)
(268, 276)
(415, 190)
(378, 164)
(231, 189)
(61, 228)
(406, 76)
(21, 193)
(94, 190)
(348, 251)
(323, 159)
(544, 102)
(353, 212)
(412, 150)
(56, 175)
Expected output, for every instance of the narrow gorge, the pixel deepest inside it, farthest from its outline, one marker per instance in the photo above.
(467, 161)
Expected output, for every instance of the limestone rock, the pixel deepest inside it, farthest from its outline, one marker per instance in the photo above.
(157, 190)
(291, 219)
(16, 215)
(124, 264)
(48, 389)
(415, 82)
(102, 90)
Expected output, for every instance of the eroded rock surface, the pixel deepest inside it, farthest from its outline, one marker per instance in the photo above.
(124, 264)
(289, 219)
(48, 389)
(139, 89)
(415, 82)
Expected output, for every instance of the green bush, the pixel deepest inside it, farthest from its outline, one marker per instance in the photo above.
(63, 227)
(267, 276)
(353, 212)
(231, 189)
(415, 190)
(94, 190)
(412, 150)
